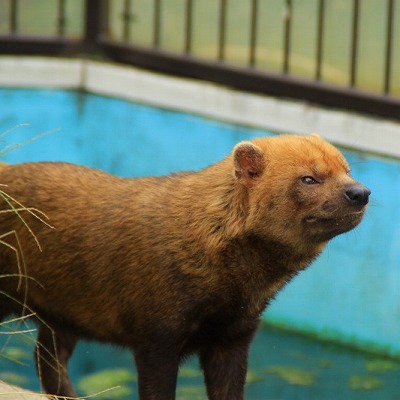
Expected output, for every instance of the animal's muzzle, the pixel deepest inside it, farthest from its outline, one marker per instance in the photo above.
(357, 195)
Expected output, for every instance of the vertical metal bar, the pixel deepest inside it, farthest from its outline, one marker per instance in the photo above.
(389, 46)
(320, 39)
(126, 17)
(253, 33)
(104, 16)
(93, 23)
(61, 20)
(287, 36)
(354, 43)
(222, 30)
(13, 16)
(188, 27)
(157, 23)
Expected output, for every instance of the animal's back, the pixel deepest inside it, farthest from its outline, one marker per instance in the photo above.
(84, 224)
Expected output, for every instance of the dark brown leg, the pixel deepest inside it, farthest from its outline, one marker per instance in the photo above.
(225, 368)
(53, 350)
(157, 373)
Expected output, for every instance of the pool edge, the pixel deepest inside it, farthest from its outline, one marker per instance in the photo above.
(188, 95)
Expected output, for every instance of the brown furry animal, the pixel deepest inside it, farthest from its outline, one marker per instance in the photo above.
(169, 266)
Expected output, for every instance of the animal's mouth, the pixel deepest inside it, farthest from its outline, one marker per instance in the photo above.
(313, 219)
(325, 227)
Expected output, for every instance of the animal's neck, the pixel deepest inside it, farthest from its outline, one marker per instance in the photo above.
(217, 207)
(272, 254)
(261, 267)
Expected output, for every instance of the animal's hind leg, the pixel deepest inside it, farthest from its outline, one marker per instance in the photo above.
(8, 307)
(53, 350)
(4, 307)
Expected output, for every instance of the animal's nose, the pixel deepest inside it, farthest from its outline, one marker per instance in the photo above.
(357, 195)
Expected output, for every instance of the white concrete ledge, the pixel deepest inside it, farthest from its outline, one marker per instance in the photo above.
(343, 128)
(40, 72)
(10, 392)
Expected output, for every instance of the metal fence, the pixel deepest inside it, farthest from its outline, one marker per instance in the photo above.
(338, 53)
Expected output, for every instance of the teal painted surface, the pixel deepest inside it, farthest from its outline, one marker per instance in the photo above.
(283, 366)
(352, 292)
(120, 137)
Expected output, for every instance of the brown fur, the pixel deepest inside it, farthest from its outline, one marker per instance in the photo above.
(174, 265)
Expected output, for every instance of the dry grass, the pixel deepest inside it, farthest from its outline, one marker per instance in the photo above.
(18, 325)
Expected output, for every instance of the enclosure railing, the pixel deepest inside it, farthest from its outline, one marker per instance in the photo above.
(338, 53)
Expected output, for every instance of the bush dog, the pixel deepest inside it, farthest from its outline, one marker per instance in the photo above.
(173, 265)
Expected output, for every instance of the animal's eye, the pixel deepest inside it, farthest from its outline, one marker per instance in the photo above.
(309, 180)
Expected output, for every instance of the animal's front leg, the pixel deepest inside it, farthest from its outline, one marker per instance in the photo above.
(157, 373)
(225, 368)
(53, 350)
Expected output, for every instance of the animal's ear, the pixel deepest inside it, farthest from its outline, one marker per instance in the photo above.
(248, 160)
(316, 135)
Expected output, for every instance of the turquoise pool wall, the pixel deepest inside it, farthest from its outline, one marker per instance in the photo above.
(120, 137)
(351, 293)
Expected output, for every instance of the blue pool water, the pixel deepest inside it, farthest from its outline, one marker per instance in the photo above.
(118, 136)
(350, 294)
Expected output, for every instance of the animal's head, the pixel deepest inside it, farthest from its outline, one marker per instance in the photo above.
(299, 189)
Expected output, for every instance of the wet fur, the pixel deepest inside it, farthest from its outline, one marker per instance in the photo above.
(169, 266)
